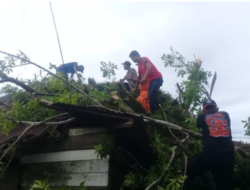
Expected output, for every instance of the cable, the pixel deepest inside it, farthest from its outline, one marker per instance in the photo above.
(66, 77)
(57, 34)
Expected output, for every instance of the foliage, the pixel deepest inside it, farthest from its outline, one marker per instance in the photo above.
(105, 147)
(176, 183)
(133, 180)
(6, 65)
(36, 111)
(108, 69)
(247, 126)
(191, 88)
(45, 185)
(5, 124)
(54, 133)
(241, 173)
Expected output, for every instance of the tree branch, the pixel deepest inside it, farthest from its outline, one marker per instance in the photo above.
(167, 120)
(185, 169)
(163, 173)
(119, 148)
(202, 87)
(16, 141)
(77, 89)
(46, 123)
(180, 92)
(25, 87)
(168, 166)
(181, 146)
(18, 83)
(45, 94)
(173, 126)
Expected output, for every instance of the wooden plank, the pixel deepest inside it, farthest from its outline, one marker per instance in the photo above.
(82, 166)
(84, 131)
(55, 179)
(60, 156)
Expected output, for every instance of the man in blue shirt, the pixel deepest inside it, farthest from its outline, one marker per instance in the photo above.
(71, 68)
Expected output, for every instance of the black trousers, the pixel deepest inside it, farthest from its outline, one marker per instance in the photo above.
(220, 163)
(154, 87)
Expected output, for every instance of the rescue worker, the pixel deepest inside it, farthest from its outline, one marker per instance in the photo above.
(131, 76)
(71, 68)
(218, 148)
(148, 71)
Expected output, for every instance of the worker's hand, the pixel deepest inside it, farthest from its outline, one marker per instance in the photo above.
(143, 79)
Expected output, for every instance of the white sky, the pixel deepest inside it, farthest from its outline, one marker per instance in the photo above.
(91, 32)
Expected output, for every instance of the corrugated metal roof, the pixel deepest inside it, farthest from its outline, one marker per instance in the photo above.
(14, 133)
(85, 116)
(95, 116)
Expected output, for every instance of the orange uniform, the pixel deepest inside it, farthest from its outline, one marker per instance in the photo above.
(143, 97)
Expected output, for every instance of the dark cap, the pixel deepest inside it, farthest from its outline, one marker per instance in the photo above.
(80, 68)
(127, 63)
(209, 102)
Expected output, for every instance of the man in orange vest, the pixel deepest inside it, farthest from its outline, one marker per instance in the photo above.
(148, 71)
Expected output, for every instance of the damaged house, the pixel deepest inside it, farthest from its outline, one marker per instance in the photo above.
(68, 157)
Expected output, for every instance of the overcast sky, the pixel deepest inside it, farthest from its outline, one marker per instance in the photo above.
(91, 32)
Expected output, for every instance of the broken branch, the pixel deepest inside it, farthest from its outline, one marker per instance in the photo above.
(168, 166)
(173, 126)
(185, 169)
(77, 89)
(18, 83)
(46, 123)
(119, 148)
(167, 120)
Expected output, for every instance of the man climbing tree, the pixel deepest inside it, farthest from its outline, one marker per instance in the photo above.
(131, 76)
(218, 149)
(71, 68)
(148, 71)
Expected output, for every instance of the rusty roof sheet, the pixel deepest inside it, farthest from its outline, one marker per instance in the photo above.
(30, 134)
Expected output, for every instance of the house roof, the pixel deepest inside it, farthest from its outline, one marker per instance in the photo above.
(14, 133)
(86, 116)
(95, 115)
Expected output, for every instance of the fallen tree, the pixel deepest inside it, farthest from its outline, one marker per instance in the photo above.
(177, 116)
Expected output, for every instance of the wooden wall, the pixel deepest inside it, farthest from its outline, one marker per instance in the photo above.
(66, 162)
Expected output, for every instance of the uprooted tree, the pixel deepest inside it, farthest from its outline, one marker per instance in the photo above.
(172, 130)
